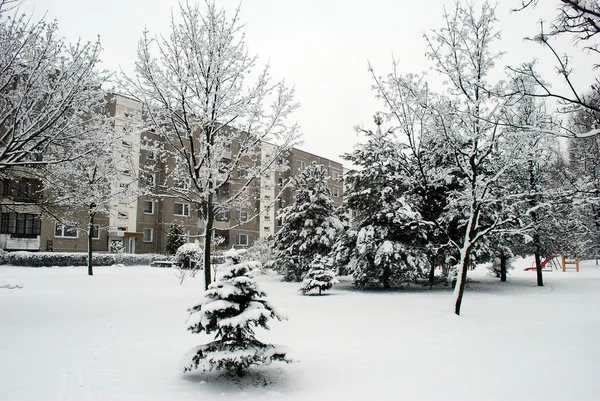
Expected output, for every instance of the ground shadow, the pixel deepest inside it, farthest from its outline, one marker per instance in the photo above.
(258, 380)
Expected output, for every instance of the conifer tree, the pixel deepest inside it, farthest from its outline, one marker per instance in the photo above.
(319, 277)
(389, 247)
(310, 225)
(175, 238)
(232, 308)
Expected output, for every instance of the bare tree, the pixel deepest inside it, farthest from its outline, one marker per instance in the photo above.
(48, 89)
(470, 120)
(93, 184)
(578, 20)
(195, 89)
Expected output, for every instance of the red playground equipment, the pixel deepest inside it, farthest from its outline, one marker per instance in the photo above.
(542, 265)
(565, 265)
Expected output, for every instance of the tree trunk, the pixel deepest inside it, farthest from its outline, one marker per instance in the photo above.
(538, 269)
(503, 266)
(208, 226)
(461, 282)
(90, 236)
(432, 273)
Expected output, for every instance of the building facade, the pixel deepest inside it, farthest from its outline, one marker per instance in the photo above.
(141, 224)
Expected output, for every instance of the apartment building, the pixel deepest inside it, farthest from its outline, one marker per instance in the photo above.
(141, 224)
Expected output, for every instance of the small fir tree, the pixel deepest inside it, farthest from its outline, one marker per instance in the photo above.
(318, 277)
(232, 308)
(175, 238)
(310, 226)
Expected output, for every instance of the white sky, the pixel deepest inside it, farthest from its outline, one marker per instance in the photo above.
(319, 46)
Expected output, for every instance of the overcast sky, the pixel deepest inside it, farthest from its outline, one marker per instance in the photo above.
(319, 46)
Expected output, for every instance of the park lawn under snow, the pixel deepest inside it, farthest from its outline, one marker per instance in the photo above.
(120, 334)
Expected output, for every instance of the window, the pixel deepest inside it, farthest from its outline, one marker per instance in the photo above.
(224, 234)
(241, 239)
(148, 179)
(280, 181)
(181, 209)
(242, 172)
(181, 160)
(148, 207)
(267, 228)
(96, 231)
(121, 228)
(267, 218)
(301, 165)
(243, 215)
(67, 230)
(183, 183)
(335, 192)
(123, 215)
(149, 154)
(147, 235)
(335, 175)
(222, 215)
(125, 172)
(267, 197)
(21, 225)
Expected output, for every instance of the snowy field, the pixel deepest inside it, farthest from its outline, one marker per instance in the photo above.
(120, 334)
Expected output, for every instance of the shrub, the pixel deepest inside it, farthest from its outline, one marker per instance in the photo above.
(189, 256)
(50, 259)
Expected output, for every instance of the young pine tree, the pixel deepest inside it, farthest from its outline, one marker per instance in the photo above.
(319, 277)
(310, 226)
(232, 308)
(175, 238)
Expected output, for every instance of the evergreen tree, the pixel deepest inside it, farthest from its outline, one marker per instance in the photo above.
(320, 277)
(175, 238)
(310, 226)
(232, 308)
(390, 236)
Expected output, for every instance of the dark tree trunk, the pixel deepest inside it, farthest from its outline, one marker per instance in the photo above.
(209, 220)
(90, 237)
(503, 259)
(538, 269)
(432, 272)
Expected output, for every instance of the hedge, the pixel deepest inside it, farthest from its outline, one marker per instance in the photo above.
(50, 259)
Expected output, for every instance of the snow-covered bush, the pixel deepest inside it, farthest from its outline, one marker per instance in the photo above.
(50, 259)
(189, 256)
(232, 308)
(319, 277)
(261, 251)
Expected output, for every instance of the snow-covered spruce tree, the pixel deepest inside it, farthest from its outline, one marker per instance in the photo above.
(195, 88)
(319, 277)
(390, 236)
(232, 308)
(175, 238)
(309, 226)
(49, 90)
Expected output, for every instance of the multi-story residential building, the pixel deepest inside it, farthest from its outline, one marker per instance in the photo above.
(141, 224)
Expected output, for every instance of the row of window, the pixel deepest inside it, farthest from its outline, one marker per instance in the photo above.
(334, 173)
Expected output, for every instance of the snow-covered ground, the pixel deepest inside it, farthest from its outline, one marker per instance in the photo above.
(120, 334)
